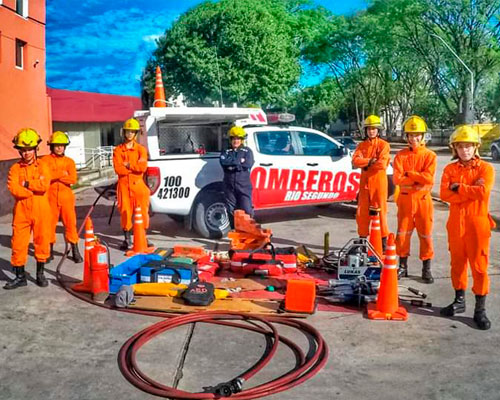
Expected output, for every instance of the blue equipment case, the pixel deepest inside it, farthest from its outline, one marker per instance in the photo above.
(168, 271)
(127, 272)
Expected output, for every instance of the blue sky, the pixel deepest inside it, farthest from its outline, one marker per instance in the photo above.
(102, 45)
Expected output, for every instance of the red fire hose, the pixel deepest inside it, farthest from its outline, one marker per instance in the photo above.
(306, 367)
(304, 370)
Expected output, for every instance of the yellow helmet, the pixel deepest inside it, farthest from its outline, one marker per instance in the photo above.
(372, 121)
(59, 137)
(465, 133)
(131, 124)
(415, 125)
(237, 131)
(26, 138)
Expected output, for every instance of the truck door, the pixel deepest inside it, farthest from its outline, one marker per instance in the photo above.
(327, 171)
(275, 152)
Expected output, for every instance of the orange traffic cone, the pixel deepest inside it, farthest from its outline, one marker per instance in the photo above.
(140, 241)
(86, 285)
(375, 234)
(387, 305)
(160, 100)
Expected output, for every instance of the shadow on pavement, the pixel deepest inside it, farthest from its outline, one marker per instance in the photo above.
(434, 312)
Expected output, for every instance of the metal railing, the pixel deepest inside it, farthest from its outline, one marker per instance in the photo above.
(96, 158)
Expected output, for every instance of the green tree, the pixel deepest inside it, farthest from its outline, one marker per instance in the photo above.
(244, 51)
(316, 106)
(470, 27)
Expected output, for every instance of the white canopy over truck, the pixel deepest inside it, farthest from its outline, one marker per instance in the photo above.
(293, 165)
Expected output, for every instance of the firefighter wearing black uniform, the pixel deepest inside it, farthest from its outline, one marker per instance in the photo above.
(237, 161)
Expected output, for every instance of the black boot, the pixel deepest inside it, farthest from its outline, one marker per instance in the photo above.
(458, 305)
(426, 272)
(51, 257)
(40, 276)
(18, 281)
(480, 317)
(77, 257)
(403, 267)
(127, 242)
(384, 243)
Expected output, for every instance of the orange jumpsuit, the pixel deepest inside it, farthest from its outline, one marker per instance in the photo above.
(414, 172)
(61, 197)
(132, 190)
(31, 211)
(373, 184)
(469, 224)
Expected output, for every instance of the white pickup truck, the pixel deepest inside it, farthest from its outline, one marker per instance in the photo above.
(293, 165)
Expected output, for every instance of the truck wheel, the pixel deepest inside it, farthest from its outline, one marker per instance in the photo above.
(210, 216)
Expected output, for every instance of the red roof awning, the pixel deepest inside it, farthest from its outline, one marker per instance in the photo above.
(73, 106)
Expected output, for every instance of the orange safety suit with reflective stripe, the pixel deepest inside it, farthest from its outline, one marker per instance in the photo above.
(414, 171)
(373, 184)
(61, 197)
(31, 211)
(469, 223)
(132, 190)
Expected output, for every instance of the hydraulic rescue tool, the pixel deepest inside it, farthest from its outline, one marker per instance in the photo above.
(353, 260)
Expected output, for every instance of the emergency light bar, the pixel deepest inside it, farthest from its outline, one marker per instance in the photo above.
(281, 118)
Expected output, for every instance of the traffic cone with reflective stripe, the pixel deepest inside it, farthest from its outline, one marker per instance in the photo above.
(89, 240)
(387, 305)
(160, 100)
(375, 234)
(140, 241)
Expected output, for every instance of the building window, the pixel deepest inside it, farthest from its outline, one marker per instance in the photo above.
(22, 7)
(20, 45)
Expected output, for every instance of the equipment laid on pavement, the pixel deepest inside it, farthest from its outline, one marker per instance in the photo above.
(354, 291)
(127, 273)
(268, 261)
(247, 234)
(300, 296)
(352, 261)
(168, 271)
(199, 294)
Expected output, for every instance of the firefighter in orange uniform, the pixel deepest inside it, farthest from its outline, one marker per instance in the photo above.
(414, 171)
(61, 197)
(466, 184)
(372, 156)
(130, 161)
(29, 182)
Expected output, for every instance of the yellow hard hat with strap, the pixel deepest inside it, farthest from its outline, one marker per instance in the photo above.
(58, 137)
(237, 131)
(131, 124)
(26, 138)
(415, 125)
(372, 121)
(465, 133)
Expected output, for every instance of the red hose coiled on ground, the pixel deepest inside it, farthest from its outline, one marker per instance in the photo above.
(305, 369)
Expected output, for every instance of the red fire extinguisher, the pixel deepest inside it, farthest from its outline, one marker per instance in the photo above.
(99, 269)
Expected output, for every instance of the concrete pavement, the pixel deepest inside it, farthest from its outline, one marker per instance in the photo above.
(54, 346)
